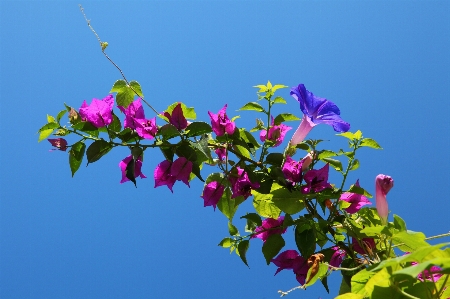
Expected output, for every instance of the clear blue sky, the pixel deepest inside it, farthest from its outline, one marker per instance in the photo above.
(386, 64)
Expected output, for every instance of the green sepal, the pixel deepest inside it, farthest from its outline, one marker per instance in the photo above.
(284, 117)
(97, 149)
(242, 250)
(76, 154)
(252, 106)
(272, 247)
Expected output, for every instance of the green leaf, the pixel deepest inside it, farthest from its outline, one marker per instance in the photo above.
(359, 281)
(47, 130)
(115, 125)
(197, 129)
(350, 296)
(272, 247)
(137, 87)
(279, 100)
(86, 127)
(252, 106)
(399, 223)
(262, 88)
(189, 113)
(326, 154)
(286, 201)
(248, 138)
(97, 149)
(242, 250)
(254, 218)
(348, 135)
(232, 229)
(226, 243)
(344, 288)
(355, 164)
(242, 151)
(322, 271)
(168, 131)
(275, 159)
(264, 206)
(202, 147)
(305, 240)
(124, 95)
(50, 119)
(336, 164)
(76, 154)
(278, 86)
(408, 241)
(371, 231)
(415, 270)
(359, 190)
(60, 115)
(227, 205)
(370, 143)
(285, 117)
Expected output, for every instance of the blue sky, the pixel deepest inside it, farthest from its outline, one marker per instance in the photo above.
(384, 63)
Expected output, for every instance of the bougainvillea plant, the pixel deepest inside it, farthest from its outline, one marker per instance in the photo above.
(332, 223)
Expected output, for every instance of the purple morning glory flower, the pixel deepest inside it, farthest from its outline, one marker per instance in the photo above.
(357, 201)
(267, 228)
(241, 184)
(99, 113)
(383, 184)
(275, 133)
(132, 112)
(315, 111)
(137, 169)
(316, 180)
(177, 118)
(220, 122)
(212, 193)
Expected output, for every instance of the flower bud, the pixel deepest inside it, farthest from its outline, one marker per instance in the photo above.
(383, 183)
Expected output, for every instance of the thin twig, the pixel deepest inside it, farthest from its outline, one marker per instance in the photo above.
(103, 46)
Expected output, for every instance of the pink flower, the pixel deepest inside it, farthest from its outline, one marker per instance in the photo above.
(146, 128)
(292, 170)
(432, 275)
(357, 201)
(177, 118)
(241, 185)
(383, 184)
(59, 143)
(212, 193)
(316, 180)
(131, 169)
(337, 257)
(290, 259)
(368, 244)
(132, 112)
(221, 153)
(220, 122)
(167, 172)
(267, 228)
(99, 113)
(275, 133)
